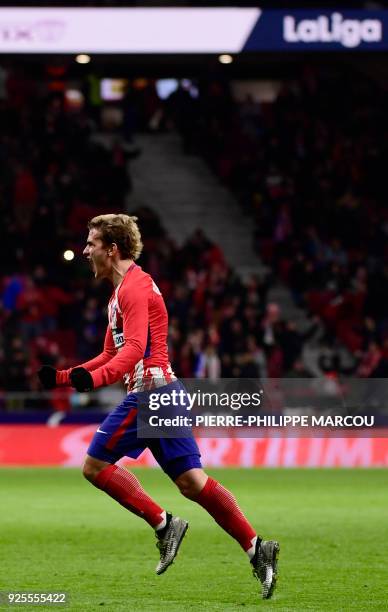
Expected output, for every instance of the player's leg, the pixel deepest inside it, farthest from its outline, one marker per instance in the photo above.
(222, 506)
(180, 459)
(116, 437)
(169, 453)
(125, 488)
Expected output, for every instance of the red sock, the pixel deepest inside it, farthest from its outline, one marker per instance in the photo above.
(125, 488)
(222, 506)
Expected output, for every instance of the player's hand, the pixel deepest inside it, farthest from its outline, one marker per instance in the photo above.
(48, 377)
(81, 380)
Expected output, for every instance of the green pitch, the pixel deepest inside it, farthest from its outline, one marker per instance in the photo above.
(58, 533)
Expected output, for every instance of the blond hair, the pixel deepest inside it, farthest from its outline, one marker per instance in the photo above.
(122, 230)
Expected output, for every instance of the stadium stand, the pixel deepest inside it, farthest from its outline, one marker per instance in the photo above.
(306, 170)
(309, 169)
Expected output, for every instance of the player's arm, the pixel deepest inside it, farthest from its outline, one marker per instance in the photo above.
(51, 378)
(134, 308)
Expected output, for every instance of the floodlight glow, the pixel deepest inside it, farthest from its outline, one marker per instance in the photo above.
(68, 255)
(225, 58)
(82, 58)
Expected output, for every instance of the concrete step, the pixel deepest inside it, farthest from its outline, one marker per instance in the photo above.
(186, 194)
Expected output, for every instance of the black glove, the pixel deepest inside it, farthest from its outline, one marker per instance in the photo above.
(48, 377)
(81, 380)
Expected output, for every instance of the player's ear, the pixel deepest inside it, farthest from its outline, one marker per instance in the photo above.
(112, 249)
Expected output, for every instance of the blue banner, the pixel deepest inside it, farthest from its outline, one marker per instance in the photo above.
(319, 30)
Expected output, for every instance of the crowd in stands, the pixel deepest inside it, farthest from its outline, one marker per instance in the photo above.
(308, 167)
(54, 176)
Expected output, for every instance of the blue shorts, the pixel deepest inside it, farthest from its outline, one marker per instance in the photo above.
(116, 437)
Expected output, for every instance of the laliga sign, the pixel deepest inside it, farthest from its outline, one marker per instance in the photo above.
(348, 32)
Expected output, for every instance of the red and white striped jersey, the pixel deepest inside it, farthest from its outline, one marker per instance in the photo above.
(135, 345)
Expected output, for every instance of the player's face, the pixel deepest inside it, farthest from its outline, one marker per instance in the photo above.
(98, 255)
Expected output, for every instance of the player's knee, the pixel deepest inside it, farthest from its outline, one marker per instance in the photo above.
(190, 491)
(90, 471)
(190, 485)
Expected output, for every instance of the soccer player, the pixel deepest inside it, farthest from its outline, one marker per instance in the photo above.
(135, 349)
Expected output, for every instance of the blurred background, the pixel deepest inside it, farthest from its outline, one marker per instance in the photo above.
(257, 169)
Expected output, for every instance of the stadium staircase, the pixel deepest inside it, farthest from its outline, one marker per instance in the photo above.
(187, 195)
